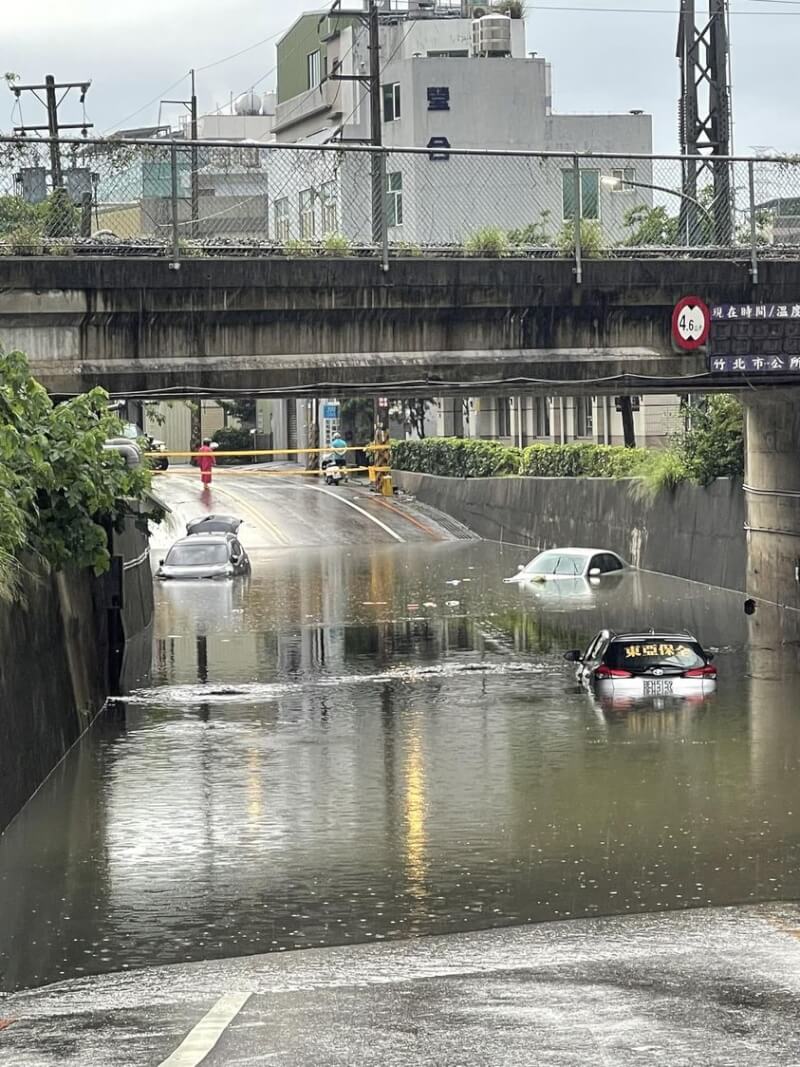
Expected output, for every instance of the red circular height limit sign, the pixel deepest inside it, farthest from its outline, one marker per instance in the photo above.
(690, 323)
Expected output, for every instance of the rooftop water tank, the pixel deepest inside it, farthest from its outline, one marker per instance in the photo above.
(248, 104)
(491, 35)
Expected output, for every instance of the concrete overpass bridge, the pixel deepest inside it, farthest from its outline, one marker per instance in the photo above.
(343, 326)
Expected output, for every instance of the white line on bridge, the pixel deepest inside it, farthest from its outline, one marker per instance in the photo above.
(201, 1040)
(361, 511)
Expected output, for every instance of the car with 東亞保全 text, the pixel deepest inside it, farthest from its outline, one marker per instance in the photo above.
(657, 663)
(205, 555)
(560, 563)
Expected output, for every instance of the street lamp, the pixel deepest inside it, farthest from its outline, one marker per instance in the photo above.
(619, 184)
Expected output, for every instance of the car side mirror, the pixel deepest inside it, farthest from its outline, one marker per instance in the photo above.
(595, 572)
(520, 567)
(574, 656)
(161, 563)
(710, 657)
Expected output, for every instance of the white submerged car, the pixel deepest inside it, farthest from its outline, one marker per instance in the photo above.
(561, 563)
(658, 663)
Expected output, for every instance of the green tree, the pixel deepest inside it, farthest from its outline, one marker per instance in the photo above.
(650, 226)
(59, 487)
(713, 445)
(15, 212)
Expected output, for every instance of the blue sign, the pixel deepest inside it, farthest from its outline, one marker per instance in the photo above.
(735, 312)
(762, 339)
(438, 98)
(330, 411)
(754, 364)
(438, 142)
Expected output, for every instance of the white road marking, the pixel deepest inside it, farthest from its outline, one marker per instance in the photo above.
(201, 1040)
(355, 507)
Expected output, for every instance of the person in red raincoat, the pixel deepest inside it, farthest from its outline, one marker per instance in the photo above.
(205, 461)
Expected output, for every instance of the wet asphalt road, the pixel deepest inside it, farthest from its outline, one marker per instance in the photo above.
(717, 987)
(372, 740)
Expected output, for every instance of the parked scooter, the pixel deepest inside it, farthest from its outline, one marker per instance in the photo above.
(333, 469)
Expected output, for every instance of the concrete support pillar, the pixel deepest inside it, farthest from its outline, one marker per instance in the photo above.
(772, 488)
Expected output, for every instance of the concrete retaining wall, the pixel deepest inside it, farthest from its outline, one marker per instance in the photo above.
(61, 645)
(694, 532)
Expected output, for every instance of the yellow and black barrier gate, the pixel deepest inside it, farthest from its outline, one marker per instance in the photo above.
(379, 472)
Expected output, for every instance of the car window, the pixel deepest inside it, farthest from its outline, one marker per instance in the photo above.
(638, 654)
(610, 562)
(571, 565)
(545, 563)
(196, 555)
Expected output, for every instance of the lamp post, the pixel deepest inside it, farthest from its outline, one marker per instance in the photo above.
(618, 184)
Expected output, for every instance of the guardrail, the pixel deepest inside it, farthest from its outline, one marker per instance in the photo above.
(181, 200)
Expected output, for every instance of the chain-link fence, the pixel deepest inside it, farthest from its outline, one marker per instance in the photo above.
(179, 199)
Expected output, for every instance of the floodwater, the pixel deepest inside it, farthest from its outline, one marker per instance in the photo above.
(377, 743)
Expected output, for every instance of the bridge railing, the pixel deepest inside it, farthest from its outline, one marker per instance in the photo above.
(180, 199)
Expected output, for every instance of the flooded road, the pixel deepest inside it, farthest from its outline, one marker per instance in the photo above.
(373, 739)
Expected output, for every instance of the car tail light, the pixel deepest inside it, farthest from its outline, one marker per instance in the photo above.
(610, 672)
(701, 672)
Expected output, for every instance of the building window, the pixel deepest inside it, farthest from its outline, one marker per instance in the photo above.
(327, 195)
(590, 194)
(313, 69)
(584, 416)
(391, 102)
(306, 203)
(503, 416)
(624, 179)
(541, 416)
(281, 210)
(394, 198)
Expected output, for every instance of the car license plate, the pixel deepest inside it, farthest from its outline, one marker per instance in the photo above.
(653, 687)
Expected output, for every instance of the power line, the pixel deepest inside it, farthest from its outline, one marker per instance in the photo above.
(149, 103)
(243, 51)
(662, 10)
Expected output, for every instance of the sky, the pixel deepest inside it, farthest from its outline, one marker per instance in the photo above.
(607, 55)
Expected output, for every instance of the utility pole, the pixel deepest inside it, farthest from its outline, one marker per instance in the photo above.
(194, 192)
(52, 103)
(371, 19)
(195, 176)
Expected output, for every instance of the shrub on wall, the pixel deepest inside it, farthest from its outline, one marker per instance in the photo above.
(460, 458)
(455, 456)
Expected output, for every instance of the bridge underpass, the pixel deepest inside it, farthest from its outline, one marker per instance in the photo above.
(318, 326)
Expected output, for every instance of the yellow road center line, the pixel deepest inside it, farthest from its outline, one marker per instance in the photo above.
(260, 519)
(201, 1040)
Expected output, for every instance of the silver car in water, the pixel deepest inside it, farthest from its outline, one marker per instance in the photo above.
(557, 564)
(212, 555)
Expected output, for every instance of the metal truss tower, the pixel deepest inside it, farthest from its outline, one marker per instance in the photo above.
(705, 123)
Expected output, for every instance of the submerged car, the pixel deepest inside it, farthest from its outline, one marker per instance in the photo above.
(658, 663)
(213, 524)
(206, 555)
(559, 563)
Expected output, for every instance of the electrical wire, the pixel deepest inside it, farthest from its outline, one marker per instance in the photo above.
(139, 110)
(242, 51)
(658, 11)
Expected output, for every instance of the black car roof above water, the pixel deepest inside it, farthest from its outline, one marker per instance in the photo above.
(650, 635)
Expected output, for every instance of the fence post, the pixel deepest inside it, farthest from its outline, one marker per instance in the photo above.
(173, 169)
(751, 182)
(380, 219)
(576, 217)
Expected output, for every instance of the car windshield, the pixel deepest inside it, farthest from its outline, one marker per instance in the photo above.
(197, 555)
(639, 654)
(556, 563)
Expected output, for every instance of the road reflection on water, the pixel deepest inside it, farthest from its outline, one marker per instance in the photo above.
(359, 745)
